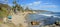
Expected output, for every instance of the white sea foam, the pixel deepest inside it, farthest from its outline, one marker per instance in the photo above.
(49, 15)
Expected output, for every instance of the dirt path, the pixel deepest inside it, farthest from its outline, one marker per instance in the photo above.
(7, 25)
(19, 19)
(4, 25)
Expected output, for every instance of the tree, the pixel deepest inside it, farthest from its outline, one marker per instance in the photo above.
(19, 8)
(27, 9)
(14, 2)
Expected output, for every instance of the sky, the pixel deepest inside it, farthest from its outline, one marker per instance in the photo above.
(49, 5)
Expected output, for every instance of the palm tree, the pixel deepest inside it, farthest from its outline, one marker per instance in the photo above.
(14, 7)
(17, 6)
(27, 9)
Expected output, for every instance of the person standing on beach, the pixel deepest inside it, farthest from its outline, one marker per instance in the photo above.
(4, 20)
(9, 18)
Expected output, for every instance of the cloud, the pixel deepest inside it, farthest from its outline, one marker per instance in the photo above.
(2, 0)
(10, 4)
(46, 3)
(30, 4)
(35, 3)
(48, 6)
(40, 5)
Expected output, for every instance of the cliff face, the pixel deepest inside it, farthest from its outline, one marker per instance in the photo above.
(5, 6)
(43, 11)
(4, 10)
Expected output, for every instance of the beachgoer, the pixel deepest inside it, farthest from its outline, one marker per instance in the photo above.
(9, 18)
(5, 20)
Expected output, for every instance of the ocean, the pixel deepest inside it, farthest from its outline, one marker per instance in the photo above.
(41, 18)
(56, 14)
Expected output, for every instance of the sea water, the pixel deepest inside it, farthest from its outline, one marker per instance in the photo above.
(41, 18)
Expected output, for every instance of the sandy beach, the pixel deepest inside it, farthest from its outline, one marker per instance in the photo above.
(18, 20)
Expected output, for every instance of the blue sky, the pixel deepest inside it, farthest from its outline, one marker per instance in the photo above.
(50, 5)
